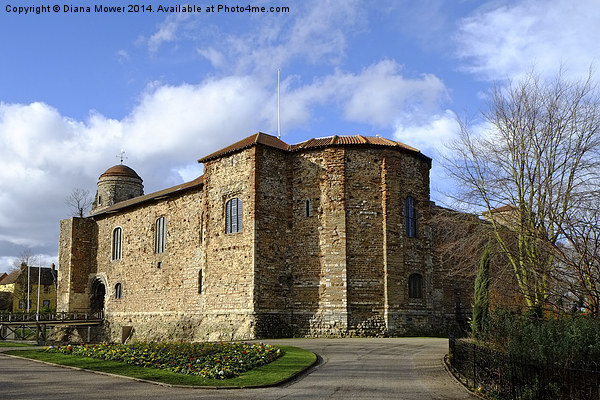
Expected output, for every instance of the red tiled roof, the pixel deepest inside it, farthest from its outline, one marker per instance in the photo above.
(152, 196)
(349, 140)
(272, 141)
(250, 141)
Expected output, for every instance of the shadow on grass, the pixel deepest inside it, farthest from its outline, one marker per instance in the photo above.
(293, 362)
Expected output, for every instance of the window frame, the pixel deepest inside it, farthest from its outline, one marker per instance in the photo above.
(118, 291)
(308, 208)
(410, 217)
(415, 286)
(233, 215)
(200, 282)
(117, 244)
(160, 235)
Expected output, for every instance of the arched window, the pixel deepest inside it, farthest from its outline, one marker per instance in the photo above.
(160, 235)
(410, 217)
(117, 238)
(415, 286)
(233, 216)
(118, 291)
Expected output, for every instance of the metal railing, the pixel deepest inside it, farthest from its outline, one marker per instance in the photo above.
(51, 317)
(507, 377)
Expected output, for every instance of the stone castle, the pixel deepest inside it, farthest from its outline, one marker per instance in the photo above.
(329, 237)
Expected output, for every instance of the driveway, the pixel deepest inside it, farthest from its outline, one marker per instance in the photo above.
(390, 368)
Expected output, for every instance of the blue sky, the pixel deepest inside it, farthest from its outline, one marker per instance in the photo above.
(168, 88)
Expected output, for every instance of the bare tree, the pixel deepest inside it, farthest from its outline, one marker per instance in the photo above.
(26, 257)
(579, 253)
(537, 158)
(79, 202)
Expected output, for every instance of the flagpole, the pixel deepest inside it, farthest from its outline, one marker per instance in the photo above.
(278, 105)
(37, 313)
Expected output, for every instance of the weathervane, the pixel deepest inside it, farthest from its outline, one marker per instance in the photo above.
(121, 155)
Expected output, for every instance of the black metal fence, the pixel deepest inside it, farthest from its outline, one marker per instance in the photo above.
(494, 372)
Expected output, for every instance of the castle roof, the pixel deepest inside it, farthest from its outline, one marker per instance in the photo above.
(120, 170)
(257, 138)
(330, 141)
(198, 182)
(250, 141)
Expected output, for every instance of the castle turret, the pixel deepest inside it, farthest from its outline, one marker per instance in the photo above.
(118, 183)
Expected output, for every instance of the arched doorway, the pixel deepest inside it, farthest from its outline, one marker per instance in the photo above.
(98, 293)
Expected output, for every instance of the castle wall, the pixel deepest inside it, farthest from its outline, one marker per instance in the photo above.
(365, 261)
(318, 243)
(230, 258)
(76, 261)
(272, 270)
(160, 298)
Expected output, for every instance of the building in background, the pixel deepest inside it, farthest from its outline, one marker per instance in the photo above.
(13, 290)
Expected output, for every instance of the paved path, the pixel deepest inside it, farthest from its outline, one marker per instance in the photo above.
(391, 368)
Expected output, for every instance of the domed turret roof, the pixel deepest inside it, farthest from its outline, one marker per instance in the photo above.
(120, 170)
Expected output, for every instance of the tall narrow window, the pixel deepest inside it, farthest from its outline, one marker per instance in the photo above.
(410, 217)
(159, 236)
(233, 216)
(118, 291)
(116, 243)
(415, 286)
(200, 281)
(308, 208)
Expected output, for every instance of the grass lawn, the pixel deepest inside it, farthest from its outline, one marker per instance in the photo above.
(14, 344)
(293, 361)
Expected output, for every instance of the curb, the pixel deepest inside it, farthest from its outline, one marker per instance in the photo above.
(457, 379)
(293, 377)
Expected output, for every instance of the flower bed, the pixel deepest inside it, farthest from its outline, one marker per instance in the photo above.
(208, 360)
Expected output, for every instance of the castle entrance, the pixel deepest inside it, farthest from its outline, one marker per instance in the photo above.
(98, 293)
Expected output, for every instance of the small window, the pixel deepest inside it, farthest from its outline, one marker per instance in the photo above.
(116, 243)
(415, 286)
(159, 235)
(308, 208)
(46, 304)
(118, 291)
(200, 281)
(233, 216)
(410, 217)
(99, 200)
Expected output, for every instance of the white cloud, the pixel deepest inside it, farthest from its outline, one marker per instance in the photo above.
(508, 40)
(167, 31)
(379, 95)
(316, 33)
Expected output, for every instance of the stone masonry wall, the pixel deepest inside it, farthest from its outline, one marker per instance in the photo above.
(160, 298)
(364, 216)
(319, 291)
(229, 258)
(76, 261)
(272, 271)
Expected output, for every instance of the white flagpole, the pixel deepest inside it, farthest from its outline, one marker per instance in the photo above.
(28, 287)
(37, 313)
(278, 105)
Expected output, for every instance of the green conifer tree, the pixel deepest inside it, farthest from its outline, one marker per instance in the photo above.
(481, 306)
